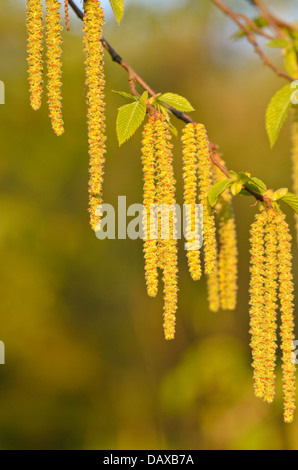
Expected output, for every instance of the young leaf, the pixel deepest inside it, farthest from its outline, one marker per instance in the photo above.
(176, 101)
(256, 185)
(173, 130)
(126, 95)
(118, 8)
(278, 43)
(217, 189)
(291, 200)
(130, 117)
(277, 112)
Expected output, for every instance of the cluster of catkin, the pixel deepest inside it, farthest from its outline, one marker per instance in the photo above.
(95, 82)
(220, 256)
(159, 227)
(53, 55)
(271, 285)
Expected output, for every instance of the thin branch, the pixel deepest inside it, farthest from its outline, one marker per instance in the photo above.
(251, 38)
(134, 77)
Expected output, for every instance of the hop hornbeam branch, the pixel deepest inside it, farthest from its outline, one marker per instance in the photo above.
(134, 77)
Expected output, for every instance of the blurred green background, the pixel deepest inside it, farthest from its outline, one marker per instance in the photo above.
(87, 366)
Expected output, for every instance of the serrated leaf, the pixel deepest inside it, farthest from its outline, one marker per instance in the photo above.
(217, 189)
(130, 117)
(256, 185)
(292, 200)
(277, 112)
(128, 96)
(118, 8)
(176, 101)
(278, 43)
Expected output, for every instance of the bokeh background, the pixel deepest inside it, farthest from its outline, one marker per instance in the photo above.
(87, 366)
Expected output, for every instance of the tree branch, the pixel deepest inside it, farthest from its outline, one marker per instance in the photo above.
(133, 76)
(251, 37)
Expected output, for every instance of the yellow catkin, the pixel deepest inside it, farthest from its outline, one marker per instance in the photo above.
(66, 14)
(168, 247)
(257, 302)
(270, 296)
(190, 176)
(205, 183)
(287, 315)
(149, 199)
(95, 81)
(228, 252)
(295, 160)
(54, 64)
(34, 52)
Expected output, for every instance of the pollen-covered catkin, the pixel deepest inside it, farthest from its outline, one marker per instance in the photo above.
(205, 183)
(54, 64)
(213, 290)
(286, 298)
(228, 252)
(167, 241)
(257, 302)
(190, 177)
(270, 297)
(95, 81)
(149, 199)
(34, 52)
(295, 160)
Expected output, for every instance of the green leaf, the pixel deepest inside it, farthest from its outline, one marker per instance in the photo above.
(233, 175)
(256, 185)
(126, 95)
(176, 101)
(236, 188)
(277, 112)
(292, 201)
(217, 189)
(130, 117)
(278, 43)
(118, 8)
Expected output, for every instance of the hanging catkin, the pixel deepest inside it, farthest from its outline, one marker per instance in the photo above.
(93, 22)
(149, 199)
(256, 302)
(54, 64)
(34, 51)
(167, 242)
(228, 253)
(190, 177)
(286, 298)
(270, 298)
(205, 183)
(295, 160)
